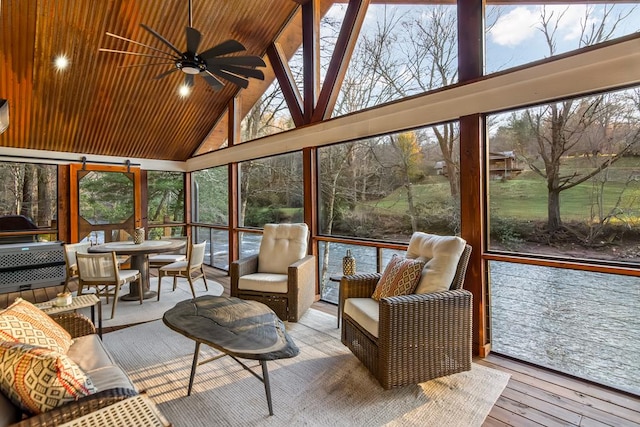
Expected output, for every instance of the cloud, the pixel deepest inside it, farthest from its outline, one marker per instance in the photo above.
(515, 27)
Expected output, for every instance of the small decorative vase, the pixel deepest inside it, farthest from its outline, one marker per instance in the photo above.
(138, 235)
(63, 299)
(348, 264)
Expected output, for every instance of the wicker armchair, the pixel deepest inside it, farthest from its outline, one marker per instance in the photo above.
(282, 275)
(420, 336)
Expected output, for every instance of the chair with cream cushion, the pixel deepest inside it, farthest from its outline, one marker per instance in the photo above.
(409, 339)
(193, 264)
(102, 272)
(281, 275)
(160, 260)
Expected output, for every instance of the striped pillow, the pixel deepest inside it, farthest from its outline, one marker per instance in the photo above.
(400, 277)
(38, 379)
(24, 322)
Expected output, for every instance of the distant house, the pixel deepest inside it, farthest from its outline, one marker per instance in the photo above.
(502, 165)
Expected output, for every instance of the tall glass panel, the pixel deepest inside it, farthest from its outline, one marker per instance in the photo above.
(577, 322)
(564, 178)
(330, 256)
(249, 244)
(517, 34)
(271, 190)
(211, 196)
(30, 190)
(402, 50)
(389, 186)
(165, 200)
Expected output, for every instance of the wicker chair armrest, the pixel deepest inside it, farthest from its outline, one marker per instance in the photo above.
(434, 316)
(303, 270)
(76, 324)
(358, 285)
(240, 268)
(72, 410)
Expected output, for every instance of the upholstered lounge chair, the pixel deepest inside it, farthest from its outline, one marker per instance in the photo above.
(413, 338)
(282, 275)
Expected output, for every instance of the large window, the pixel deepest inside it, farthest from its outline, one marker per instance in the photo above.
(271, 190)
(165, 192)
(519, 34)
(211, 196)
(30, 190)
(578, 322)
(565, 178)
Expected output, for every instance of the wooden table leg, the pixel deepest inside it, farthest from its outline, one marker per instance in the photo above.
(194, 365)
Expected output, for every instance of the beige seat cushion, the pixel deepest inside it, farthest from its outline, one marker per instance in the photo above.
(90, 354)
(281, 246)
(442, 254)
(264, 282)
(365, 311)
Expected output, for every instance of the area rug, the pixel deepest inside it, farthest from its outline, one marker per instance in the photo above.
(131, 312)
(325, 385)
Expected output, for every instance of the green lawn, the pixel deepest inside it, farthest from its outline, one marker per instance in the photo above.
(525, 197)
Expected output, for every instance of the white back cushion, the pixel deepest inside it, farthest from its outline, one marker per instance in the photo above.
(442, 254)
(281, 246)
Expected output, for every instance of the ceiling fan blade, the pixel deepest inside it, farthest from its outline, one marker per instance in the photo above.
(229, 46)
(131, 53)
(189, 80)
(193, 40)
(244, 83)
(212, 80)
(165, 74)
(241, 71)
(162, 39)
(141, 44)
(145, 64)
(249, 61)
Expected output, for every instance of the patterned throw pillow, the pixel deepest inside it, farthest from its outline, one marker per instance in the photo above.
(24, 322)
(399, 278)
(38, 379)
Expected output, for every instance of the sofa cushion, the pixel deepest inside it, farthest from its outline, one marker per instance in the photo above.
(365, 311)
(442, 254)
(281, 246)
(90, 354)
(400, 277)
(38, 379)
(264, 282)
(24, 322)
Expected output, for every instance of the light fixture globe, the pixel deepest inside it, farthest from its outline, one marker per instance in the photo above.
(191, 64)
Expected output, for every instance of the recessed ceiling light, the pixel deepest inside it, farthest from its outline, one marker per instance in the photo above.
(184, 90)
(61, 62)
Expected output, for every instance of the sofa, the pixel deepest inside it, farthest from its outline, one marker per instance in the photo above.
(97, 382)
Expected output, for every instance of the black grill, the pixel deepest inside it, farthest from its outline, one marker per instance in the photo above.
(25, 266)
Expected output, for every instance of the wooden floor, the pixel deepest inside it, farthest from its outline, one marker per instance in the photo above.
(533, 397)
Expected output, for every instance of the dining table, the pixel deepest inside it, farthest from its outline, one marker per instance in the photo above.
(139, 253)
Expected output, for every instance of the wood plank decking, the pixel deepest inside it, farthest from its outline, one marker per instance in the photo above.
(534, 396)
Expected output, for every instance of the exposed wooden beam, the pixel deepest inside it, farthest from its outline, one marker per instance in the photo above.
(311, 56)
(356, 12)
(287, 83)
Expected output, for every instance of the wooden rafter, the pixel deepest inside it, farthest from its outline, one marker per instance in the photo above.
(310, 56)
(287, 83)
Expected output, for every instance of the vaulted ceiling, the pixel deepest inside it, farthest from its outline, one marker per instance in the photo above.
(97, 107)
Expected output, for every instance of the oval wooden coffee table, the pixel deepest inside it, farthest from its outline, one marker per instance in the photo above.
(241, 329)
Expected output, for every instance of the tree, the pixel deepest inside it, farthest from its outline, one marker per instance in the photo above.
(562, 128)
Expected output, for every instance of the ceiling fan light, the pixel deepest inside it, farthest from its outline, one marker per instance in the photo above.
(184, 90)
(190, 70)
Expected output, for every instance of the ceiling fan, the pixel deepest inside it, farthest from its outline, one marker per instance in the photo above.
(211, 64)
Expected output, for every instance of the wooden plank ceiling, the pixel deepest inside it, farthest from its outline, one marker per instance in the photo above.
(95, 107)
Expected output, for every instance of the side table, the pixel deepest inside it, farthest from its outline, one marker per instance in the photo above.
(138, 411)
(82, 301)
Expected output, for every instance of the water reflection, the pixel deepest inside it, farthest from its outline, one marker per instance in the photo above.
(578, 322)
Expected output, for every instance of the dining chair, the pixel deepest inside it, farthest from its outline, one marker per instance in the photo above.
(160, 260)
(101, 270)
(186, 269)
(71, 264)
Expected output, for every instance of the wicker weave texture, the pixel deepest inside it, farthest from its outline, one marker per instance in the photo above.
(421, 336)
